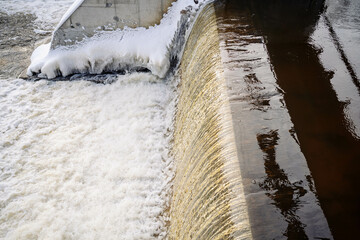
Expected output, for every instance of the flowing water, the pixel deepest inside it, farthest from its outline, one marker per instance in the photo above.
(277, 182)
(81, 160)
(84, 160)
(208, 200)
(258, 140)
(292, 70)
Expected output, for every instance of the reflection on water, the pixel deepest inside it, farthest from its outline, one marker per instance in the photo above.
(337, 36)
(253, 87)
(307, 72)
(280, 192)
(344, 16)
(342, 53)
(285, 195)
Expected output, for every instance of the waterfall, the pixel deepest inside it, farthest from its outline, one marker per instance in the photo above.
(208, 200)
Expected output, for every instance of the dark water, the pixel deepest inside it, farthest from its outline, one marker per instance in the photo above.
(17, 41)
(294, 90)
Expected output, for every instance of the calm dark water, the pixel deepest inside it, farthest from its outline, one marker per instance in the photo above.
(292, 68)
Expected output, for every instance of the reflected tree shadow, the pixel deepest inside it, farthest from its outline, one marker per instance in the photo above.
(284, 194)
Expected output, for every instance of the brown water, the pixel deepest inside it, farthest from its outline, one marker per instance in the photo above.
(208, 200)
(295, 108)
(292, 70)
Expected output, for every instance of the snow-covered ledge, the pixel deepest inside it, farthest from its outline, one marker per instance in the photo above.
(85, 17)
(155, 48)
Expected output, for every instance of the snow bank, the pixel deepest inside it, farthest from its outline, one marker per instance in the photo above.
(118, 50)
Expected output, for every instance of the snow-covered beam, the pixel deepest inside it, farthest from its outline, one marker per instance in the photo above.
(87, 16)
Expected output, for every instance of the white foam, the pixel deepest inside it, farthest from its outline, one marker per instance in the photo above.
(129, 48)
(48, 12)
(81, 160)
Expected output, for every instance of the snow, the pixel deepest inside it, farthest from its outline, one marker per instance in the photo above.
(118, 50)
(81, 160)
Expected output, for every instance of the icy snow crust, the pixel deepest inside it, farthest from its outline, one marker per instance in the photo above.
(110, 51)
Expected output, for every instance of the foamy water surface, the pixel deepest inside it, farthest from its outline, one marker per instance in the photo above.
(81, 160)
(48, 12)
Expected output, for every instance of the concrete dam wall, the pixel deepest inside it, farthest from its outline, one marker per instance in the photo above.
(92, 15)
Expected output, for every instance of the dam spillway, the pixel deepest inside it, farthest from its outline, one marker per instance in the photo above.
(225, 70)
(208, 200)
(224, 150)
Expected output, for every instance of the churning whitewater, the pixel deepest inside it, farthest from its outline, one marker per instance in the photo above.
(81, 160)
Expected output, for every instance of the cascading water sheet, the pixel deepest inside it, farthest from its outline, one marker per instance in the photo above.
(208, 200)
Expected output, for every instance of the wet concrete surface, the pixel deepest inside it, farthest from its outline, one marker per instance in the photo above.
(17, 41)
(295, 144)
